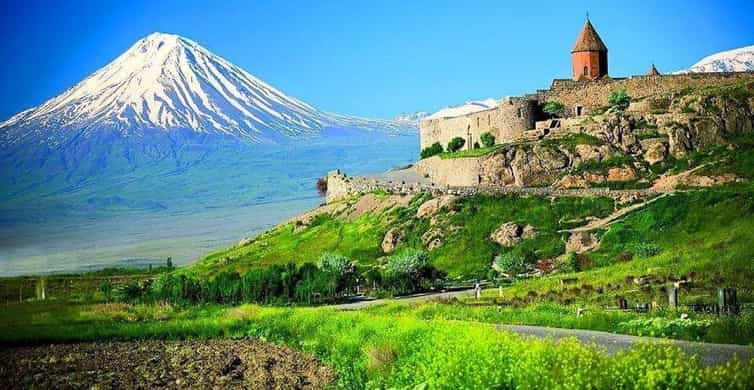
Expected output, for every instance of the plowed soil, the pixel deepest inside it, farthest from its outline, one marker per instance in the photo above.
(195, 364)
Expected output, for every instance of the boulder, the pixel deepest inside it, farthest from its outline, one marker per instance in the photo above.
(529, 232)
(581, 242)
(432, 206)
(511, 233)
(245, 241)
(391, 240)
(621, 174)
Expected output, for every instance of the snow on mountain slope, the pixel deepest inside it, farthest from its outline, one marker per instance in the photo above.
(467, 108)
(166, 82)
(737, 60)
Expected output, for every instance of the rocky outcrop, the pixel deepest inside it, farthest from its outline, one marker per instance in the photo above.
(581, 242)
(391, 240)
(433, 206)
(654, 150)
(584, 152)
(582, 180)
(621, 174)
(540, 165)
(511, 233)
(671, 182)
(432, 238)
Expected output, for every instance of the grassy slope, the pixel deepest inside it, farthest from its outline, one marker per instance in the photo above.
(467, 252)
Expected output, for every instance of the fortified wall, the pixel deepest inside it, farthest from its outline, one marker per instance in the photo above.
(512, 120)
(582, 97)
(340, 187)
(506, 122)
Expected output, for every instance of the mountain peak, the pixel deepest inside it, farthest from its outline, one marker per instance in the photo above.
(165, 82)
(736, 60)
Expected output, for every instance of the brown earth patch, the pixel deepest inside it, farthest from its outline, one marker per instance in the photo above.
(236, 364)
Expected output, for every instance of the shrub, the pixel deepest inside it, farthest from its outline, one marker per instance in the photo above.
(476, 145)
(644, 249)
(488, 139)
(132, 291)
(432, 150)
(572, 262)
(554, 108)
(107, 289)
(511, 263)
(322, 186)
(456, 144)
(619, 98)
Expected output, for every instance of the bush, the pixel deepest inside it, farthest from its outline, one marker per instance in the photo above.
(107, 289)
(322, 186)
(554, 108)
(476, 145)
(488, 139)
(572, 262)
(432, 150)
(644, 249)
(456, 144)
(619, 98)
(511, 263)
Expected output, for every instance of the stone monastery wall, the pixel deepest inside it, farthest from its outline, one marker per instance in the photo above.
(511, 119)
(506, 121)
(340, 186)
(592, 94)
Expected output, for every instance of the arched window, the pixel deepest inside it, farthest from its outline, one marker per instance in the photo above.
(586, 71)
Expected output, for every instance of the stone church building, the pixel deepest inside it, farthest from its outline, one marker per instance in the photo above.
(519, 118)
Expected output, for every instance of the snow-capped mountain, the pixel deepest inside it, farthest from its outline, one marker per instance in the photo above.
(411, 118)
(464, 109)
(737, 60)
(166, 82)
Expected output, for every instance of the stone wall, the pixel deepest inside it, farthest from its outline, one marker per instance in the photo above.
(591, 94)
(506, 122)
(453, 172)
(350, 186)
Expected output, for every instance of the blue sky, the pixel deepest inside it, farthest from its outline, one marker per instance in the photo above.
(367, 58)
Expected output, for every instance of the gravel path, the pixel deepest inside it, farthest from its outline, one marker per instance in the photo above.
(710, 354)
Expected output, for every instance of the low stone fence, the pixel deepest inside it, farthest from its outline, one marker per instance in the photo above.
(340, 186)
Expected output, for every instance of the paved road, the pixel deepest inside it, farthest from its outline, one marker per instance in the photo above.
(411, 298)
(710, 354)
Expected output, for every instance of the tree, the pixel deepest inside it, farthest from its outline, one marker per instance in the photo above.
(169, 262)
(341, 268)
(487, 139)
(456, 144)
(554, 107)
(432, 150)
(322, 186)
(410, 271)
(619, 98)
